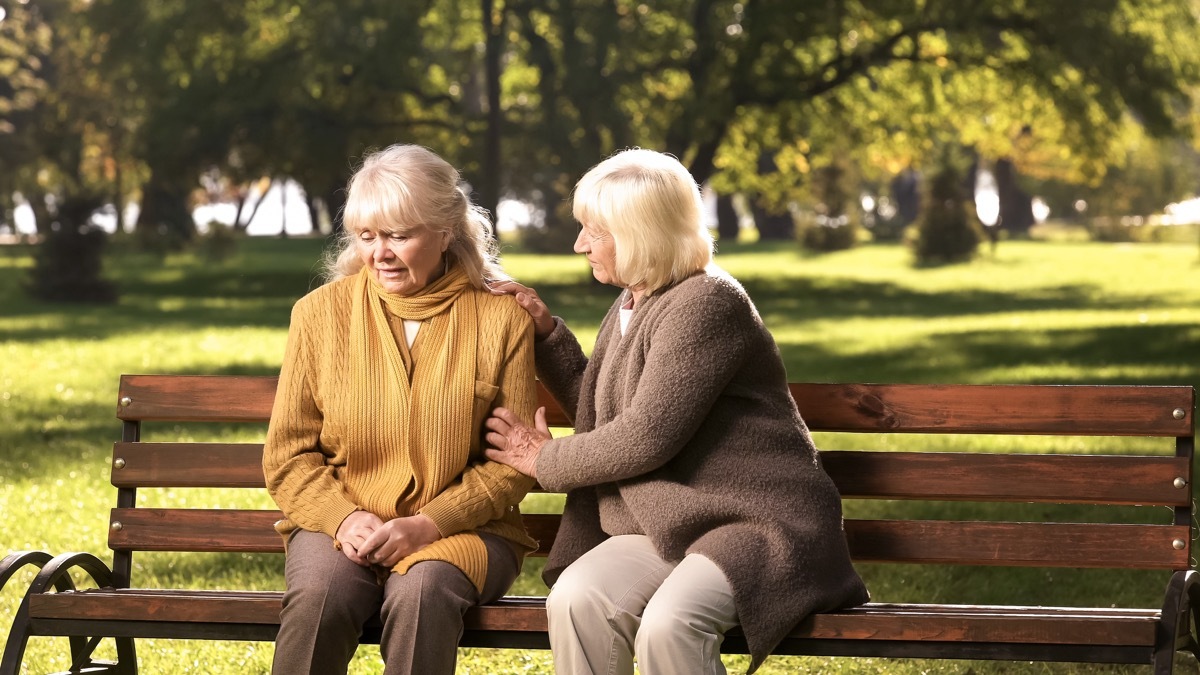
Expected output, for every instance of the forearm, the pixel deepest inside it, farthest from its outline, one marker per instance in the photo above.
(560, 366)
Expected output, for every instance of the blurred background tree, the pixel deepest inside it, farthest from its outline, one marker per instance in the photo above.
(168, 103)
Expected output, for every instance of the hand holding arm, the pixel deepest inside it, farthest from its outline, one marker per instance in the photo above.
(515, 443)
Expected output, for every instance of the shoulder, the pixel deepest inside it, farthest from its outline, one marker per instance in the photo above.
(331, 298)
(712, 292)
(502, 309)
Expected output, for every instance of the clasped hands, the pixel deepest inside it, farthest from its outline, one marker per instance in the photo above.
(366, 540)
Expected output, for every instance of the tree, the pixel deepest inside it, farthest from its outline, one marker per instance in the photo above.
(719, 84)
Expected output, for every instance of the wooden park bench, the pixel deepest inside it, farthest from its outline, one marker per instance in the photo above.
(1112, 476)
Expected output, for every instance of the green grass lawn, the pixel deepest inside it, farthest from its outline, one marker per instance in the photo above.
(1034, 312)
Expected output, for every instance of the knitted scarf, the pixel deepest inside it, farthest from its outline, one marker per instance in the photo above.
(421, 409)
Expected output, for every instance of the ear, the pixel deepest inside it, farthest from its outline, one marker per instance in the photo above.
(447, 238)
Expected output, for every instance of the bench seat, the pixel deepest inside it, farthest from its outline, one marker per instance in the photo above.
(899, 522)
(254, 615)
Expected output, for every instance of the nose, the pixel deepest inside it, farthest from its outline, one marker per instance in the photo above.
(379, 250)
(582, 245)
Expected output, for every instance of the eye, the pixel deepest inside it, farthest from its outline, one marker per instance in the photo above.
(396, 236)
(366, 236)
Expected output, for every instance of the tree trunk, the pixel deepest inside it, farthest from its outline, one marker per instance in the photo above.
(773, 226)
(906, 192)
(1016, 206)
(314, 211)
(41, 214)
(165, 212)
(335, 199)
(489, 182)
(727, 219)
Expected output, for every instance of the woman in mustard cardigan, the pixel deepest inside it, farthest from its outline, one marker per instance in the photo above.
(373, 451)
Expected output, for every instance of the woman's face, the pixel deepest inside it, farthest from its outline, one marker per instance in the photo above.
(403, 263)
(601, 253)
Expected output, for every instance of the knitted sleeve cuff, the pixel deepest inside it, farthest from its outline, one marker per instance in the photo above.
(447, 515)
(333, 517)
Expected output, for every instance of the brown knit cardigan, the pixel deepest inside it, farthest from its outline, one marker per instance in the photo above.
(686, 432)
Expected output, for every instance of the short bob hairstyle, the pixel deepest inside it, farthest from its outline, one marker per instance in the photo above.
(403, 187)
(650, 205)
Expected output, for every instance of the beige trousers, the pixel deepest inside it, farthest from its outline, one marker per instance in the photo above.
(329, 598)
(622, 600)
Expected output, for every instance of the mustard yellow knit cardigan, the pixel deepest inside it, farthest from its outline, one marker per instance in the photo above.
(331, 451)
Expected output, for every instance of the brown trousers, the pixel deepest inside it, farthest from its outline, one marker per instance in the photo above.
(329, 598)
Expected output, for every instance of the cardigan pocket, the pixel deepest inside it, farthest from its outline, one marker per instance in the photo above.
(485, 395)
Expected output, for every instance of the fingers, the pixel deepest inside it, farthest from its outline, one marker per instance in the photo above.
(496, 440)
(370, 549)
(351, 553)
(508, 288)
(539, 421)
(497, 424)
(505, 415)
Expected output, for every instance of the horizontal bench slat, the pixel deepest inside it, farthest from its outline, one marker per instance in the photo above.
(236, 530)
(875, 621)
(1071, 410)
(1089, 545)
(898, 408)
(227, 398)
(1064, 479)
(232, 465)
(196, 398)
(928, 541)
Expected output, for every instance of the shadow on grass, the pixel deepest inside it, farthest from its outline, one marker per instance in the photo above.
(44, 445)
(256, 288)
(785, 300)
(1111, 355)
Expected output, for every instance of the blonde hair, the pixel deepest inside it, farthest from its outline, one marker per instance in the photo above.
(651, 206)
(407, 186)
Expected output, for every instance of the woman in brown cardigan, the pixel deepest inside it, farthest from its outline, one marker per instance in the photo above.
(696, 500)
(374, 448)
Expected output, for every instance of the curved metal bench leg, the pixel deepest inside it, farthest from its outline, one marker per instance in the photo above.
(55, 572)
(1192, 591)
(18, 636)
(1179, 621)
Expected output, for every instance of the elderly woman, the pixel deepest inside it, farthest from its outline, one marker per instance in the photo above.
(373, 451)
(696, 499)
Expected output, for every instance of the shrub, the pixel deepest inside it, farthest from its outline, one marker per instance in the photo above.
(946, 232)
(836, 224)
(219, 242)
(67, 266)
(823, 234)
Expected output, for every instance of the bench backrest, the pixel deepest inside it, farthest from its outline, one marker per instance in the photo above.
(1111, 478)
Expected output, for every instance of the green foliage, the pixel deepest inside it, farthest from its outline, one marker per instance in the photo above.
(947, 231)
